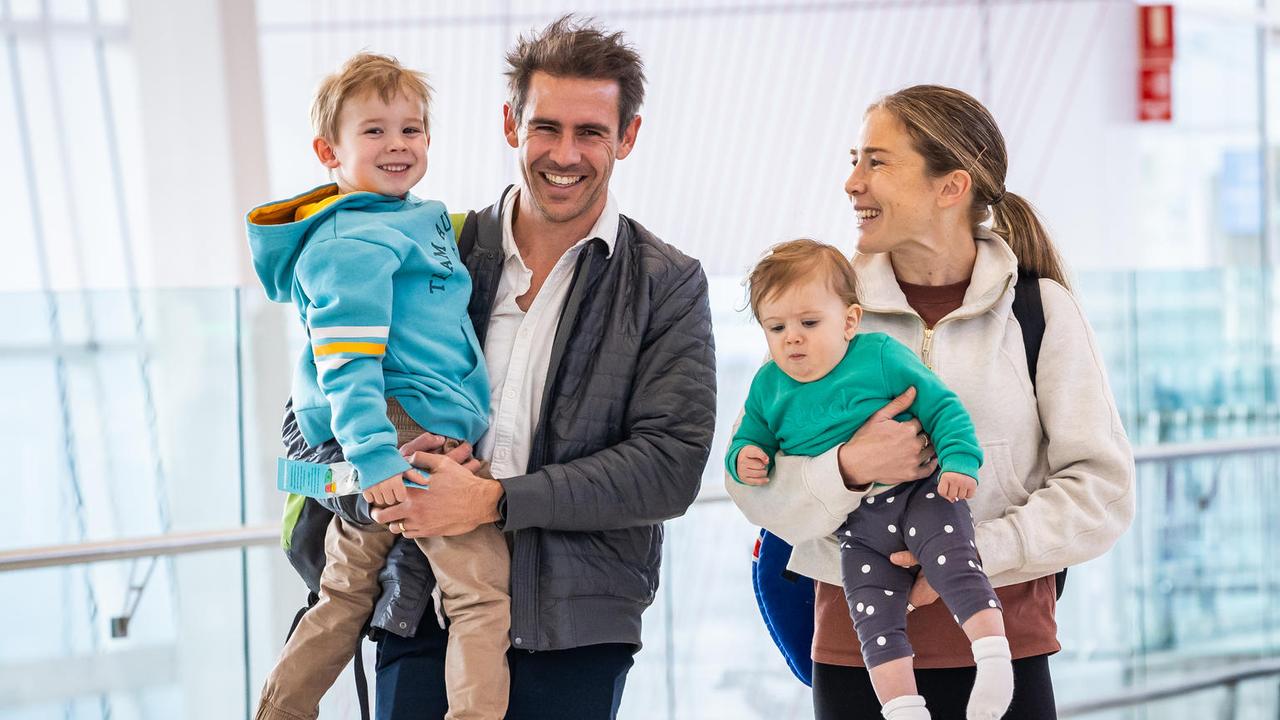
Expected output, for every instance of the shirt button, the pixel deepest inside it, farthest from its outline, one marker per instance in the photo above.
(519, 641)
(510, 394)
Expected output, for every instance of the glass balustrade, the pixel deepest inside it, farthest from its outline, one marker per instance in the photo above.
(152, 414)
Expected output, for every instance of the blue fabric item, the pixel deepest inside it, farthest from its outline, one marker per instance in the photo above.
(379, 285)
(786, 604)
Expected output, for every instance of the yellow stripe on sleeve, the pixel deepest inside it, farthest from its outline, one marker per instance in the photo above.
(365, 348)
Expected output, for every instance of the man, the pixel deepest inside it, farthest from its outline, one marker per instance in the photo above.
(597, 338)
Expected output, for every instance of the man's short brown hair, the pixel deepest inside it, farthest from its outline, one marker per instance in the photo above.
(788, 264)
(364, 73)
(573, 47)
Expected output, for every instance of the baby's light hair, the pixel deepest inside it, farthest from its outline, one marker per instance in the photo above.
(787, 264)
(364, 73)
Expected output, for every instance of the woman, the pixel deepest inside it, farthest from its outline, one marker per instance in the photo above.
(1056, 484)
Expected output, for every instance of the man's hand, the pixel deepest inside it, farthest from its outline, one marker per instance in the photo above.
(886, 451)
(432, 443)
(753, 465)
(455, 502)
(922, 593)
(387, 492)
(956, 486)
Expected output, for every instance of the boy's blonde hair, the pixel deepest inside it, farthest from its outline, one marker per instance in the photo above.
(364, 73)
(790, 263)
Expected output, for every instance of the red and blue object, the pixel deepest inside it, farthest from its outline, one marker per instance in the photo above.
(786, 603)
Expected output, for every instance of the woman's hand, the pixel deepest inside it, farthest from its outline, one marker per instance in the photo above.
(886, 451)
(922, 593)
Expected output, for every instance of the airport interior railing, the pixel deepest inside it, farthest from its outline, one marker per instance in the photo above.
(1152, 677)
(142, 417)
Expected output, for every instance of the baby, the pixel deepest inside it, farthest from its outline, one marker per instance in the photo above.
(822, 383)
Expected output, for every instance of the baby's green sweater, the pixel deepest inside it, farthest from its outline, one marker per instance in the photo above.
(811, 418)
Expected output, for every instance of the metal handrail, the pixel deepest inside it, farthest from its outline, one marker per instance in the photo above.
(1206, 448)
(150, 546)
(1162, 691)
(261, 535)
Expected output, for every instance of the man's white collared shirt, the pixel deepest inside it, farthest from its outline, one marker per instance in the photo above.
(518, 344)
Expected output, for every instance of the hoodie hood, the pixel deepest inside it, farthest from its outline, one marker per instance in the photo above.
(278, 230)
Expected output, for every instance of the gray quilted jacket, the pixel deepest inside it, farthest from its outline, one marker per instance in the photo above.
(627, 417)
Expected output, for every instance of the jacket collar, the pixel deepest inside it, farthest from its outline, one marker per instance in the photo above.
(994, 273)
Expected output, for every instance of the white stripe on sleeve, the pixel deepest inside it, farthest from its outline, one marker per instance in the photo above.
(352, 331)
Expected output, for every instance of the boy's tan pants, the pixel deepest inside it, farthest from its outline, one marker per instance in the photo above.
(473, 572)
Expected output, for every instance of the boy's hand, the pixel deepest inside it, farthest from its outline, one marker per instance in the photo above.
(957, 486)
(388, 492)
(753, 465)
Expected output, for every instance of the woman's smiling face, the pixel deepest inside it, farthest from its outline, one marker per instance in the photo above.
(891, 193)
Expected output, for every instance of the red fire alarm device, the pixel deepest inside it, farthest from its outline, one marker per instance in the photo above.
(1155, 63)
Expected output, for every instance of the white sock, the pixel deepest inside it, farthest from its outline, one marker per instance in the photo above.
(905, 707)
(993, 686)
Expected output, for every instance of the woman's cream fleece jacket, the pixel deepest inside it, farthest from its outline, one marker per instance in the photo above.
(1056, 486)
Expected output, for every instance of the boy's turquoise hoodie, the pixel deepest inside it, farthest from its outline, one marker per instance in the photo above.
(383, 295)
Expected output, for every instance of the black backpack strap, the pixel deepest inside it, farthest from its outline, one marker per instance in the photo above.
(362, 683)
(1029, 310)
(465, 229)
(312, 599)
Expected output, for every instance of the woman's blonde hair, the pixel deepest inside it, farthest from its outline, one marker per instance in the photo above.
(787, 264)
(953, 131)
(365, 73)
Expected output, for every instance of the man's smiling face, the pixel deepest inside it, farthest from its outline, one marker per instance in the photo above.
(568, 141)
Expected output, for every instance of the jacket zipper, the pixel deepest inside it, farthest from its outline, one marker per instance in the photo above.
(926, 346)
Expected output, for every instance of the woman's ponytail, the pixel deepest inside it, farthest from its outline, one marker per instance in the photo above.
(1019, 224)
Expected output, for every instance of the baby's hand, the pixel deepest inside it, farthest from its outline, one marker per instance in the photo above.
(387, 492)
(753, 465)
(957, 486)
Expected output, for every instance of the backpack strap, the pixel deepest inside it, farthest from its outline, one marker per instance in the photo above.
(1029, 311)
(362, 683)
(312, 599)
(357, 667)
